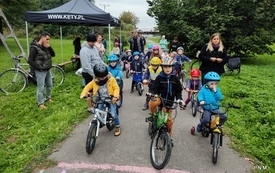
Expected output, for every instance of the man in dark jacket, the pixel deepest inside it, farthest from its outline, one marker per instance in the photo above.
(40, 59)
(136, 43)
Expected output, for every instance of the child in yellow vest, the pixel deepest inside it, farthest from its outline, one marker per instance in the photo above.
(150, 75)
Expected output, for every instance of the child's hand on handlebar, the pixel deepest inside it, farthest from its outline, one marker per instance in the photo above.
(114, 99)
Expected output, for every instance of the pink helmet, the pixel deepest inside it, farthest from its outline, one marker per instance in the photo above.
(155, 47)
(116, 43)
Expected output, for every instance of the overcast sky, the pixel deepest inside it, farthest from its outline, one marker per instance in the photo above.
(137, 7)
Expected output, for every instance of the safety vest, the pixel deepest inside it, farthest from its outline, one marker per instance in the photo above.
(152, 72)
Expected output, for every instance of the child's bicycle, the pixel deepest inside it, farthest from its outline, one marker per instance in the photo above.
(194, 102)
(215, 129)
(127, 68)
(183, 74)
(161, 145)
(101, 118)
(137, 77)
(120, 100)
(15, 79)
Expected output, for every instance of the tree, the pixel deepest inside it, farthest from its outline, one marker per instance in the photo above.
(128, 17)
(246, 26)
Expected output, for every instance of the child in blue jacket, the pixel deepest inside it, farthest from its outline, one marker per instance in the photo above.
(211, 94)
(115, 69)
(136, 67)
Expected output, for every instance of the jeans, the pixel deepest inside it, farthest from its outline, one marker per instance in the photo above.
(44, 80)
(206, 116)
(112, 109)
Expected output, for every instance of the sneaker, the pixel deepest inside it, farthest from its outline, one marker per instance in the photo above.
(172, 144)
(145, 107)
(117, 131)
(42, 106)
(49, 100)
(90, 110)
(183, 107)
(149, 119)
(199, 127)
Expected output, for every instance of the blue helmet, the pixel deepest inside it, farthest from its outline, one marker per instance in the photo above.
(150, 46)
(136, 53)
(212, 76)
(112, 57)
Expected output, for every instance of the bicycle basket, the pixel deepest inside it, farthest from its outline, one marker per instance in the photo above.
(137, 77)
(234, 63)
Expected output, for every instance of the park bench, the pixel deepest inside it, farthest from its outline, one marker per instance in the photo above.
(72, 61)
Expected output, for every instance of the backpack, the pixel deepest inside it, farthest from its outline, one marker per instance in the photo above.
(234, 63)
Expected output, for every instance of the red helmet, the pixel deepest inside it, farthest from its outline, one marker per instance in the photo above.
(195, 73)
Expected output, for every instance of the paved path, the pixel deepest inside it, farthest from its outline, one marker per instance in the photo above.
(130, 151)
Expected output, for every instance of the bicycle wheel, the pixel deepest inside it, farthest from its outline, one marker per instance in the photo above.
(128, 74)
(110, 122)
(195, 64)
(215, 145)
(58, 75)
(13, 81)
(91, 137)
(160, 150)
(194, 107)
(139, 88)
(183, 79)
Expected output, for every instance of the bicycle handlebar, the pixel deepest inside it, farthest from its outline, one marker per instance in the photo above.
(178, 102)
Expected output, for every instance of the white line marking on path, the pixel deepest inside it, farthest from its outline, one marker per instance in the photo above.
(122, 168)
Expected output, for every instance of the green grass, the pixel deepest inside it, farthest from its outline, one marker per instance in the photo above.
(28, 135)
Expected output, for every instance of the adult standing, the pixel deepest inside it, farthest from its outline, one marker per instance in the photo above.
(99, 45)
(136, 43)
(77, 47)
(40, 59)
(173, 45)
(163, 43)
(89, 57)
(213, 56)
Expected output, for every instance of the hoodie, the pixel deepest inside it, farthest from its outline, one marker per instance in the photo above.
(89, 58)
(168, 87)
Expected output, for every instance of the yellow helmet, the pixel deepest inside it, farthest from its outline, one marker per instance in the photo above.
(155, 61)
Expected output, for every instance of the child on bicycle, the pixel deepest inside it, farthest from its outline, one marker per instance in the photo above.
(104, 85)
(155, 52)
(209, 97)
(115, 69)
(167, 86)
(127, 59)
(179, 60)
(149, 77)
(148, 53)
(136, 67)
(194, 83)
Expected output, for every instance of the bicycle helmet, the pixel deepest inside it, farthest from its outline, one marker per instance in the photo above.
(100, 70)
(195, 73)
(112, 57)
(167, 62)
(155, 47)
(212, 76)
(180, 48)
(150, 46)
(136, 53)
(116, 43)
(155, 61)
(128, 50)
